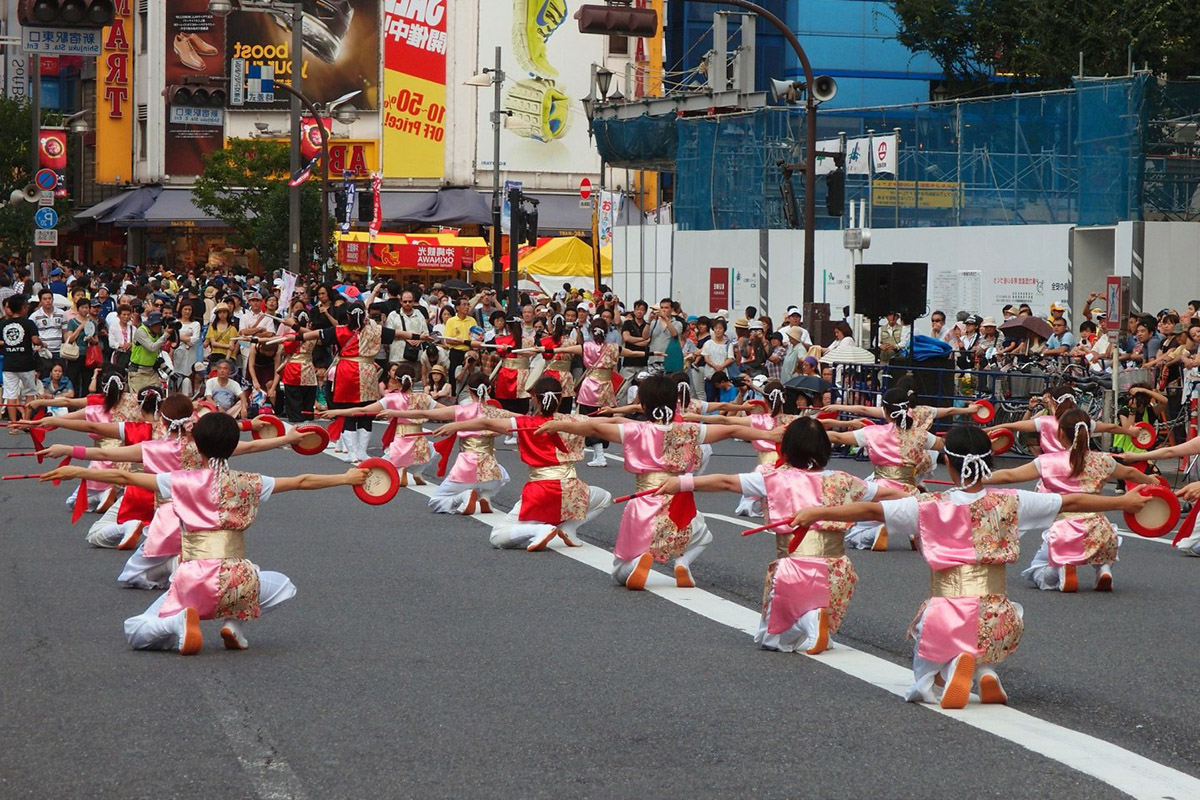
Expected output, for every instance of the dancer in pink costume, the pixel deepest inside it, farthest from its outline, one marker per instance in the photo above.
(968, 536)
(1074, 540)
(807, 593)
(215, 507)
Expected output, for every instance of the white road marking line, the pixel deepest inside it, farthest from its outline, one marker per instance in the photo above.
(1122, 769)
(269, 773)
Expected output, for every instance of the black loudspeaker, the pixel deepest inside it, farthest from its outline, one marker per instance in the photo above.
(816, 320)
(900, 287)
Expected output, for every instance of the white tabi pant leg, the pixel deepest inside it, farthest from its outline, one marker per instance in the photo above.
(273, 588)
(706, 452)
(862, 535)
(748, 507)
(149, 631)
(142, 572)
(622, 570)
(924, 673)
(105, 532)
(512, 533)
(598, 500)
(701, 538)
(1040, 572)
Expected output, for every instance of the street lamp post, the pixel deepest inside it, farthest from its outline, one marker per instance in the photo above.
(810, 135)
(494, 77)
(223, 8)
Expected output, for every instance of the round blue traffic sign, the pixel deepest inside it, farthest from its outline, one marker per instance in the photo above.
(45, 218)
(46, 179)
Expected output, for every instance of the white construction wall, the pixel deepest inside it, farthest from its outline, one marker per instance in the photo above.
(976, 269)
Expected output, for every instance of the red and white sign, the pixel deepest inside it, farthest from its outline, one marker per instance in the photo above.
(585, 189)
(718, 289)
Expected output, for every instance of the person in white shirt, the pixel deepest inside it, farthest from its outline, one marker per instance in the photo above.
(49, 321)
(120, 329)
(408, 318)
(228, 395)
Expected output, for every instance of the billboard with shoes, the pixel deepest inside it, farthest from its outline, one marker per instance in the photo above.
(195, 46)
(547, 62)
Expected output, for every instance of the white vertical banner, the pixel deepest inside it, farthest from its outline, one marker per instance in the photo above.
(825, 164)
(858, 156)
(885, 153)
(286, 291)
(610, 209)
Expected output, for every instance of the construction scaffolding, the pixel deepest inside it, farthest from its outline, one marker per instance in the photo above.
(1103, 151)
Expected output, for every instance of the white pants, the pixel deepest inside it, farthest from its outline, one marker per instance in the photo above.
(94, 497)
(513, 533)
(106, 531)
(748, 507)
(925, 672)
(452, 498)
(149, 631)
(700, 539)
(1047, 577)
(862, 535)
(801, 636)
(143, 572)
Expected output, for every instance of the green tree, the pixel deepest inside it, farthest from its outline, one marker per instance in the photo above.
(1039, 42)
(16, 219)
(246, 187)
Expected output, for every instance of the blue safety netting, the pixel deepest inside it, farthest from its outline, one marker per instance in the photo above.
(1072, 156)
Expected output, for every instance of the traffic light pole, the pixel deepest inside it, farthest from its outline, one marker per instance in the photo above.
(810, 135)
(516, 228)
(297, 84)
(35, 113)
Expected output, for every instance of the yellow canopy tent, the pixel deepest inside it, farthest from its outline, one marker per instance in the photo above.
(562, 257)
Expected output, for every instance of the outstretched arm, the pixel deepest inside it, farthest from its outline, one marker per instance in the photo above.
(955, 411)
(1133, 500)
(1020, 426)
(607, 430)
(105, 430)
(1189, 448)
(1132, 475)
(373, 408)
(117, 477)
(493, 424)
(842, 437)
(129, 454)
(263, 445)
(1021, 474)
(63, 402)
(862, 411)
(437, 414)
(351, 477)
(851, 512)
(704, 483)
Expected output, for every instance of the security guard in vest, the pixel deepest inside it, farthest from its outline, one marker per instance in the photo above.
(148, 341)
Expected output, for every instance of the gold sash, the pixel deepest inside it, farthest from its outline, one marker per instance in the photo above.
(301, 356)
(768, 457)
(516, 363)
(403, 428)
(644, 481)
(601, 374)
(213, 544)
(821, 544)
(559, 365)
(365, 361)
(902, 474)
(482, 445)
(969, 580)
(560, 472)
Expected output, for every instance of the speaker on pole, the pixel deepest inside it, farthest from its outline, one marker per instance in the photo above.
(899, 287)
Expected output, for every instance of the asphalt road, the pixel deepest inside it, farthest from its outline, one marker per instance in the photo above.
(416, 661)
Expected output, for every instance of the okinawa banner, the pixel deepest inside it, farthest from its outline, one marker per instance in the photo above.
(341, 48)
(195, 44)
(414, 87)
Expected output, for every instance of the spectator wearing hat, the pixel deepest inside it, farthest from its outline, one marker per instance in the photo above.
(753, 351)
(776, 353)
(793, 321)
(57, 282)
(989, 336)
(893, 337)
(968, 342)
(148, 342)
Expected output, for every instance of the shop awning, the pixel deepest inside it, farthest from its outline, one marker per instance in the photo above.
(393, 252)
(451, 207)
(172, 207)
(562, 257)
(128, 204)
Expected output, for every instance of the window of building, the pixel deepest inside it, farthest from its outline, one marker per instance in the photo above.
(618, 45)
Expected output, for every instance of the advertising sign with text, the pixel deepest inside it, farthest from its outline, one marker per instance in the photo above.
(114, 98)
(195, 46)
(414, 88)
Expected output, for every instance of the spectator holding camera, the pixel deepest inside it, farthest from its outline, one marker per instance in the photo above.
(148, 342)
(409, 317)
